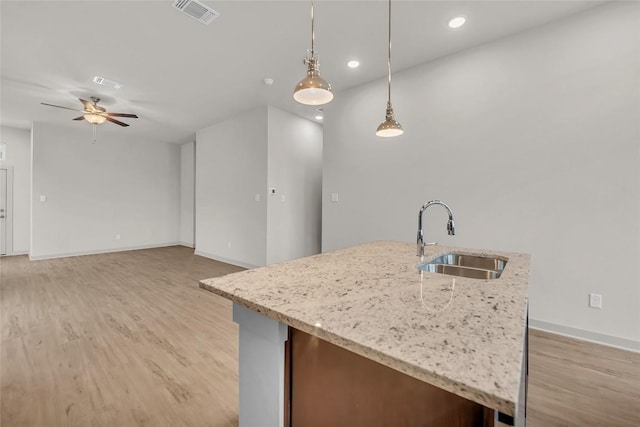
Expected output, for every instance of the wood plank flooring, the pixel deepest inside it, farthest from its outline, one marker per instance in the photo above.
(128, 339)
(577, 383)
(122, 339)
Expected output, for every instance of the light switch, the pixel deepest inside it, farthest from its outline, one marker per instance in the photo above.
(283, 198)
(257, 197)
(334, 197)
(43, 198)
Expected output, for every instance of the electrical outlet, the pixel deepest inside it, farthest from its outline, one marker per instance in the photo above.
(334, 197)
(595, 300)
(228, 244)
(117, 237)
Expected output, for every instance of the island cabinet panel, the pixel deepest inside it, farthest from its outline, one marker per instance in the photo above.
(331, 386)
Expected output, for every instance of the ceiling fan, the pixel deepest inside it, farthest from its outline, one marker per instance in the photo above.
(95, 114)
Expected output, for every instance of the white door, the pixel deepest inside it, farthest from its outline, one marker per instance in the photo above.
(3, 211)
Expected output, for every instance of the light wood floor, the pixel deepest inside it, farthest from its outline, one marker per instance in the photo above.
(577, 383)
(122, 339)
(128, 339)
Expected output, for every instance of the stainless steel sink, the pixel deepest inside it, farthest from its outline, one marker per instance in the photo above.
(471, 266)
(456, 270)
(474, 261)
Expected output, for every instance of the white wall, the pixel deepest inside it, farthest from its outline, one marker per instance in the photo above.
(295, 171)
(237, 161)
(119, 185)
(187, 193)
(231, 168)
(534, 142)
(18, 153)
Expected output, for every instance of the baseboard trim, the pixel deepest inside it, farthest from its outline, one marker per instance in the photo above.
(188, 245)
(225, 260)
(17, 253)
(102, 251)
(581, 334)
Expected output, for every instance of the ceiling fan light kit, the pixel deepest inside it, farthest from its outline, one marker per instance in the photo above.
(95, 114)
(313, 89)
(95, 119)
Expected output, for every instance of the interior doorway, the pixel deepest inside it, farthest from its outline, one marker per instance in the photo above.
(3, 211)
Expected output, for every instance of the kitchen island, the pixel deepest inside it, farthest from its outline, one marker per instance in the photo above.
(464, 336)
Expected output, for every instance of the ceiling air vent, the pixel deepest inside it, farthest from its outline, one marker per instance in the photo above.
(196, 10)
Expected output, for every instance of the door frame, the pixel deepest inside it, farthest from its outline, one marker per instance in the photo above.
(9, 213)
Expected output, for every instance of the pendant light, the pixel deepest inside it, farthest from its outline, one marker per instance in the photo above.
(313, 89)
(390, 127)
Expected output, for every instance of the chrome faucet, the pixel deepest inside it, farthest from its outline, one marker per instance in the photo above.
(451, 227)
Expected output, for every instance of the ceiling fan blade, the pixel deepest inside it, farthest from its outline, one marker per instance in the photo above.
(133, 116)
(88, 105)
(79, 118)
(59, 106)
(118, 122)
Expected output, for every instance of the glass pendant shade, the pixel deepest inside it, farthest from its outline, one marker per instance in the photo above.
(313, 89)
(96, 119)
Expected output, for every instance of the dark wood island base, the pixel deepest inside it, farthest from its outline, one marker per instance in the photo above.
(326, 385)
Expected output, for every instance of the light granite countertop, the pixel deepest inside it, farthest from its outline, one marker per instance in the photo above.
(372, 300)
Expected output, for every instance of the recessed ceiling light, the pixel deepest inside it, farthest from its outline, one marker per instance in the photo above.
(319, 117)
(457, 22)
(354, 63)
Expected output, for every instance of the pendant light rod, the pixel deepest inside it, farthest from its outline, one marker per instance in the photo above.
(389, 59)
(313, 32)
(390, 127)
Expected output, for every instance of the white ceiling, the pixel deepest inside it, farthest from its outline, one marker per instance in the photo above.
(182, 76)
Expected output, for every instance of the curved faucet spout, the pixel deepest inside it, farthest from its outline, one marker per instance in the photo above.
(451, 227)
